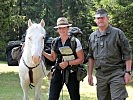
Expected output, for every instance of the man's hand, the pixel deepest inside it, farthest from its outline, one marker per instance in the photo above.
(90, 80)
(127, 78)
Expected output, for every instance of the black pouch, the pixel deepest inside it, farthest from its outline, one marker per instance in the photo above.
(81, 72)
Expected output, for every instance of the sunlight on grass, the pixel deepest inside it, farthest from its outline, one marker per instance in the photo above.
(6, 68)
(11, 90)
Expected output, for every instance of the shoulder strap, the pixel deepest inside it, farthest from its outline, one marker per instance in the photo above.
(73, 43)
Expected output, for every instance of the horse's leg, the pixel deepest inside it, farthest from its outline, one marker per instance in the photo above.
(25, 88)
(38, 90)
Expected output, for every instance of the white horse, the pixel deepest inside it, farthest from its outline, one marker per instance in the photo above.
(31, 67)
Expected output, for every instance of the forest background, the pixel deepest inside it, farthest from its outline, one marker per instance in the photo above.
(14, 15)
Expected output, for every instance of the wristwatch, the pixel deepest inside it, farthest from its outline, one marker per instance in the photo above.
(129, 72)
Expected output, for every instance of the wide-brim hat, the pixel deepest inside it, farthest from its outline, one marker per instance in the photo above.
(101, 13)
(62, 22)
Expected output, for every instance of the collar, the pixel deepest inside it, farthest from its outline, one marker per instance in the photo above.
(107, 31)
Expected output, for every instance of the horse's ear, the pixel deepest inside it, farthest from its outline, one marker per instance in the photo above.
(29, 23)
(42, 23)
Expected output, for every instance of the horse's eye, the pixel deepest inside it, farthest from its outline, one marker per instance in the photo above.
(43, 37)
(29, 38)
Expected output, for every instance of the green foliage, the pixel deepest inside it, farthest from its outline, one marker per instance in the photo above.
(4, 18)
(4, 26)
(121, 15)
(78, 13)
(123, 18)
(2, 50)
(14, 15)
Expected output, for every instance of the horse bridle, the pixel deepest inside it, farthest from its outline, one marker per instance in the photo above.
(30, 71)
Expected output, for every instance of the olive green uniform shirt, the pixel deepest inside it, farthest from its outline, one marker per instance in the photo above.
(110, 49)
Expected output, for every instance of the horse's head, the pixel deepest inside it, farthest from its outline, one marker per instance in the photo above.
(34, 42)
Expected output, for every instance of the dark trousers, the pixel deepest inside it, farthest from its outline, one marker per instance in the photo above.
(57, 83)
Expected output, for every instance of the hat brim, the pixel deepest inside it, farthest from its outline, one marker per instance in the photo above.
(62, 26)
(100, 15)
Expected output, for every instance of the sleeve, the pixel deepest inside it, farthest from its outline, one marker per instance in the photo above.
(126, 49)
(90, 51)
(79, 46)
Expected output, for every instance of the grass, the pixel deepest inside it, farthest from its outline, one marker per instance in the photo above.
(10, 88)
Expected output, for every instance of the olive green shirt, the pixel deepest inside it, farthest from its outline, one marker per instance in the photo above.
(110, 49)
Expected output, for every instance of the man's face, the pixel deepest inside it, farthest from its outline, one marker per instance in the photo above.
(102, 21)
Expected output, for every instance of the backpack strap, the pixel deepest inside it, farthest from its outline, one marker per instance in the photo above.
(73, 44)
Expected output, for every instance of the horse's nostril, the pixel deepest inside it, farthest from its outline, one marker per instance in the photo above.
(36, 59)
